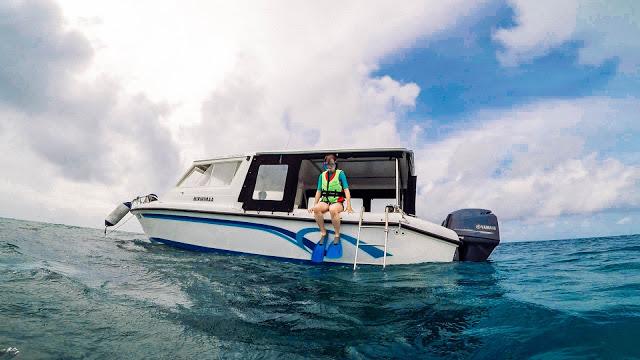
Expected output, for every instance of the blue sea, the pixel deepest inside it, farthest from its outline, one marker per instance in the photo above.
(70, 293)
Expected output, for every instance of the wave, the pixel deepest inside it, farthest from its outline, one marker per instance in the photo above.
(126, 295)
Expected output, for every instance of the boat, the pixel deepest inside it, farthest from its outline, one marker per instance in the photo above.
(258, 203)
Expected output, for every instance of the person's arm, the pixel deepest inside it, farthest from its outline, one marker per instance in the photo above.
(315, 202)
(347, 193)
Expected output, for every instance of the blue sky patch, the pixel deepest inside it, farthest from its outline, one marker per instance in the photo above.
(460, 73)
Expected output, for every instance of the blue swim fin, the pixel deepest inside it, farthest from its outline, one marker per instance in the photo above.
(334, 251)
(317, 256)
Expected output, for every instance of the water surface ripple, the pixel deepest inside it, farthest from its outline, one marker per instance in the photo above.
(68, 292)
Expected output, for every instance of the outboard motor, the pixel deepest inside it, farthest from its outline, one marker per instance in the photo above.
(477, 229)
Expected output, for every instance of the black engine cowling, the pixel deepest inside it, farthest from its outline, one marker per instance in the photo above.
(477, 229)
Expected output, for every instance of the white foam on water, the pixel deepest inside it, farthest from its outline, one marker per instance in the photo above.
(11, 351)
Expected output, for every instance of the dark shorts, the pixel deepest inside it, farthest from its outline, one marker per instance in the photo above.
(341, 202)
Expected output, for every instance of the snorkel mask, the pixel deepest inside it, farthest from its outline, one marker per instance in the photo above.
(329, 165)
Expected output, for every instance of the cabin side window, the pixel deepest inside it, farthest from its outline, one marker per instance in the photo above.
(270, 182)
(217, 174)
(197, 176)
(223, 173)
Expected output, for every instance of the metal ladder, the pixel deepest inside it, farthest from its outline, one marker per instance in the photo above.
(386, 236)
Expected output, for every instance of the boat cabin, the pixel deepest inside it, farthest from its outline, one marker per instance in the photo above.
(285, 181)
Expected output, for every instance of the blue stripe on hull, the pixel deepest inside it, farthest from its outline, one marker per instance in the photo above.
(190, 247)
(297, 239)
(290, 236)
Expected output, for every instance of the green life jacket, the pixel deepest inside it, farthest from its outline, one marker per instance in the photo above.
(332, 191)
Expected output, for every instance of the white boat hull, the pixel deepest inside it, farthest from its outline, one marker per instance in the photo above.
(289, 238)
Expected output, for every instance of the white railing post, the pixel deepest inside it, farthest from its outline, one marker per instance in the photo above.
(397, 183)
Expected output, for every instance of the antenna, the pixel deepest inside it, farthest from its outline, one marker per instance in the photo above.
(286, 147)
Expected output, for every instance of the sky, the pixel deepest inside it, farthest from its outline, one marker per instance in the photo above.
(526, 108)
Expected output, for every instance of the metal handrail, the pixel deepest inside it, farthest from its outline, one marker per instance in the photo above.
(355, 258)
(386, 237)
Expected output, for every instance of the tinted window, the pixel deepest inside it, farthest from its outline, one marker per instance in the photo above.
(270, 182)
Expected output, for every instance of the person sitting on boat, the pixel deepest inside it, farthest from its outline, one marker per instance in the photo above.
(331, 193)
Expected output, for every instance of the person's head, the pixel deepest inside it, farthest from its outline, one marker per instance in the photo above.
(330, 162)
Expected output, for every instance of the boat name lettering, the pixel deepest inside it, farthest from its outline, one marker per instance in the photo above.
(485, 227)
(203, 198)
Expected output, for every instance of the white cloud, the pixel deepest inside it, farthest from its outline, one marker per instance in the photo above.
(569, 226)
(534, 162)
(609, 29)
(88, 129)
(357, 111)
(264, 73)
(625, 220)
(541, 26)
(606, 29)
(306, 80)
(73, 144)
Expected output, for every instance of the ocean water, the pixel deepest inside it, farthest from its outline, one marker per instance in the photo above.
(69, 292)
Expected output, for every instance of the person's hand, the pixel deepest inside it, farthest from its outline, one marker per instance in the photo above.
(311, 209)
(349, 209)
